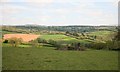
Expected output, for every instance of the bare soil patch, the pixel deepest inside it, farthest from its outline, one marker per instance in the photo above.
(24, 37)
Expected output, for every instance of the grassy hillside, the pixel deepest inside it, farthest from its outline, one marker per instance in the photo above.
(101, 32)
(55, 37)
(38, 55)
(63, 38)
(46, 58)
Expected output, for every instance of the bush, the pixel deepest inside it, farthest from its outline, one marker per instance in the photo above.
(99, 46)
(75, 34)
(5, 41)
(15, 41)
(40, 40)
(113, 45)
(75, 46)
(63, 47)
(34, 42)
(52, 42)
(55, 43)
(89, 45)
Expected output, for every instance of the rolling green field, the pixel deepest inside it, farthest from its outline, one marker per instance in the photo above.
(101, 37)
(105, 35)
(101, 33)
(63, 38)
(55, 37)
(47, 58)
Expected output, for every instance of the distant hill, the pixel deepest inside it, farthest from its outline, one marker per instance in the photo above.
(38, 28)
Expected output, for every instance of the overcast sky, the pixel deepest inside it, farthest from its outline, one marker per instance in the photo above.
(59, 12)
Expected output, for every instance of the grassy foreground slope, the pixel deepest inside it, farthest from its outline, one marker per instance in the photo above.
(46, 58)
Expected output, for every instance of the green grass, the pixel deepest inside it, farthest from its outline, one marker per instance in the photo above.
(46, 58)
(66, 39)
(97, 33)
(63, 39)
(24, 46)
(7, 32)
(55, 37)
(102, 35)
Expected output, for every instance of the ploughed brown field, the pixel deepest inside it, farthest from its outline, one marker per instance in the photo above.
(24, 37)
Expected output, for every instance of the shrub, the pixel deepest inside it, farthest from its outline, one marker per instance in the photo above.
(88, 45)
(75, 46)
(61, 47)
(40, 40)
(5, 41)
(113, 45)
(15, 41)
(51, 42)
(34, 42)
(99, 46)
(75, 34)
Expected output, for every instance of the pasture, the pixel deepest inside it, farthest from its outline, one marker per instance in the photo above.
(63, 38)
(103, 33)
(47, 58)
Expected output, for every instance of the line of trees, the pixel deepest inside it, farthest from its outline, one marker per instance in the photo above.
(59, 28)
(80, 35)
(62, 46)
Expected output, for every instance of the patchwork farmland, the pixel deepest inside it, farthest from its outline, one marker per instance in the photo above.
(58, 50)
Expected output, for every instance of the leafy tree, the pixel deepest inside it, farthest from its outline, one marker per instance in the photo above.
(67, 32)
(34, 42)
(75, 34)
(5, 41)
(52, 42)
(99, 46)
(113, 45)
(83, 34)
(95, 37)
(15, 41)
(40, 40)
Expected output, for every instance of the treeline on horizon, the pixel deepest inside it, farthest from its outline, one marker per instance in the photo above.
(74, 28)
